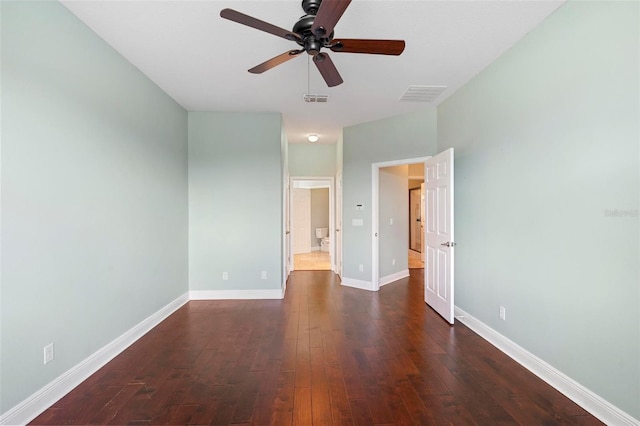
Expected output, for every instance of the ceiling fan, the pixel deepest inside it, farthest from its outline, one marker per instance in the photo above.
(313, 32)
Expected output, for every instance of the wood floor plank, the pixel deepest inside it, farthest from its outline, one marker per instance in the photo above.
(324, 355)
(302, 414)
(109, 411)
(282, 411)
(267, 395)
(320, 399)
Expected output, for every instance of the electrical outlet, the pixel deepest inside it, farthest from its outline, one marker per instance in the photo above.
(225, 276)
(48, 353)
(264, 275)
(361, 268)
(391, 221)
(393, 262)
(503, 313)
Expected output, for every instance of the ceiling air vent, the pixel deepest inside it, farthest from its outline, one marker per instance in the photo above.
(316, 98)
(423, 93)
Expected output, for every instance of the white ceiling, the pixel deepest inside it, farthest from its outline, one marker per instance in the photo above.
(201, 60)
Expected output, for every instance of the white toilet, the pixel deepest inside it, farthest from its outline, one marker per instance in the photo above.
(323, 235)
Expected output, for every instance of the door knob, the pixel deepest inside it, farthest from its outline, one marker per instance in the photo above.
(448, 244)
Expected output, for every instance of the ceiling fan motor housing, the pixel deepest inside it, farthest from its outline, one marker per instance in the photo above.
(309, 41)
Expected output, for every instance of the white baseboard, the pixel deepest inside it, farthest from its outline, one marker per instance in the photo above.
(593, 403)
(34, 405)
(394, 277)
(315, 248)
(275, 293)
(361, 284)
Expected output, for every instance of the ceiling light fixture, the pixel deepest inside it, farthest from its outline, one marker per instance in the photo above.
(313, 138)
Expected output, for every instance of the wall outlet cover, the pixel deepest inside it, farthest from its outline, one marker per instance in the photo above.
(48, 353)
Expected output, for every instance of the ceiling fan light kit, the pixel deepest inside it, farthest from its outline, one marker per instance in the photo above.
(313, 32)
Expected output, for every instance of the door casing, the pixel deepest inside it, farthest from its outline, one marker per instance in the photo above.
(326, 180)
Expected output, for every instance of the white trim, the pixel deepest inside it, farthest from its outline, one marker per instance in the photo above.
(375, 212)
(272, 293)
(44, 398)
(394, 277)
(360, 284)
(315, 248)
(594, 404)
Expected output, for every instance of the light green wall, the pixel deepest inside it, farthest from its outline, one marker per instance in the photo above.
(547, 143)
(235, 200)
(94, 196)
(394, 204)
(396, 138)
(318, 159)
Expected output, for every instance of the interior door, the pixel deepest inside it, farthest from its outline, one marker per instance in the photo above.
(439, 242)
(422, 213)
(338, 239)
(415, 239)
(287, 221)
(301, 226)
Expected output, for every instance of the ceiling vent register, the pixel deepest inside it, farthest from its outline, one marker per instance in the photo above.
(422, 93)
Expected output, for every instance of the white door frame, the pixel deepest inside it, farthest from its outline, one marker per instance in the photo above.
(332, 226)
(375, 213)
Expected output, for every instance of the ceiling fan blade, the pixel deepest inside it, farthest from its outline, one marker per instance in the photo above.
(327, 69)
(273, 62)
(252, 22)
(327, 17)
(375, 47)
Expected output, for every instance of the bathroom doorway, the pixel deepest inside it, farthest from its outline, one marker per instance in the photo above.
(312, 223)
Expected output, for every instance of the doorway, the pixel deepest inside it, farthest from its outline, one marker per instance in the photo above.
(383, 174)
(312, 223)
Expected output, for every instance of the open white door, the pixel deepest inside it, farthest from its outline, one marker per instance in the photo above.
(301, 226)
(338, 252)
(422, 215)
(439, 242)
(287, 226)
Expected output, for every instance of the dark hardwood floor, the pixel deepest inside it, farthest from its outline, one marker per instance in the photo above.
(326, 354)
